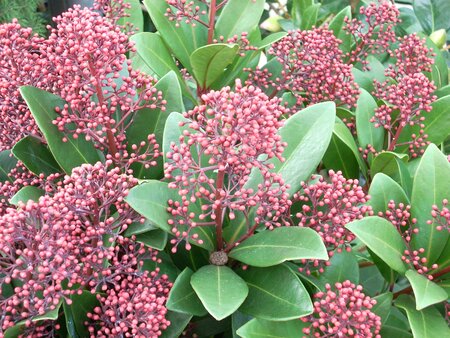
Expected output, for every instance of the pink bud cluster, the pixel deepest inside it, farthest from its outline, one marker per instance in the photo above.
(229, 135)
(376, 33)
(441, 216)
(134, 307)
(71, 239)
(20, 64)
(399, 215)
(329, 206)
(408, 95)
(114, 10)
(343, 311)
(88, 52)
(312, 69)
(185, 10)
(84, 62)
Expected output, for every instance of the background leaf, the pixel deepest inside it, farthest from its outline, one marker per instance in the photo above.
(27, 193)
(263, 328)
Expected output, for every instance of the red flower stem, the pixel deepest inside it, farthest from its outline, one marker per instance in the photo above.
(249, 233)
(218, 212)
(101, 100)
(212, 21)
(395, 139)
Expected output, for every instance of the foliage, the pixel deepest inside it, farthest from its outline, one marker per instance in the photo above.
(213, 177)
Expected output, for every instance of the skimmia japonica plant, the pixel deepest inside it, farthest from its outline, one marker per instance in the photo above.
(226, 168)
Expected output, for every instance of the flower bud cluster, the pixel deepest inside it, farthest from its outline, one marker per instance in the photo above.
(312, 69)
(373, 34)
(343, 311)
(72, 240)
(441, 216)
(228, 136)
(327, 207)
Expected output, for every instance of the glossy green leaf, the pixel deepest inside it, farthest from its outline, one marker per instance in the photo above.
(209, 62)
(309, 17)
(76, 313)
(258, 328)
(182, 297)
(156, 239)
(383, 306)
(337, 25)
(366, 131)
(431, 186)
(427, 323)
(182, 40)
(150, 200)
(220, 290)
(307, 134)
(135, 16)
(384, 189)
(394, 166)
(267, 300)
(178, 322)
(432, 14)
(152, 121)
(342, 153)
(343, 266)
(152, 55)
(7, 163)
(27, 193)
(426, 292)
(42, 105)
(269, 248)
(238, 16)
(382, 238)
(139, 228)
(35, 156)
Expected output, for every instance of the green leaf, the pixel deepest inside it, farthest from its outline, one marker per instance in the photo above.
(27, 193)
(382, 238)
(152, 121)
(342, 153)
(366, 131)
(76, 313)
(258, 328)
(42, 105)
(139, 228)
(427, 323)
(182, 297)
(150, 200)
(269, 248)
(50, 315)
(309, 17)
(220, 290)
(307, 134)
(337, 25)
(181, 40)
(427, 292)
(156, 239)
(35, 156)
(134, 17)
(7, 163)
(152, 54)
(238, 16)
(431, 186)
(432, 14)
(209, 62)
(267, 300)
(178, 322)
(384, 189)
(393, 165)
(383, 306)
(343, 266)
